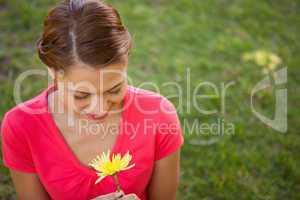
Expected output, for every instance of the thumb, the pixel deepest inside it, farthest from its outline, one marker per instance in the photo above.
(119, 194)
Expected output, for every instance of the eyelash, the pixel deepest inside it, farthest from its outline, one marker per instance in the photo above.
(80, 98)
(116, 91)
(86, 96)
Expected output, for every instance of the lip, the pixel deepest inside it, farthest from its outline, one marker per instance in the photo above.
(96, 117)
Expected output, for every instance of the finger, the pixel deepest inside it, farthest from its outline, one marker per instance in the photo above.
(110, 196)
(130, 197)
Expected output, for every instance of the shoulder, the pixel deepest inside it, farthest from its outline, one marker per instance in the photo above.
(16, 131)
(20, 115)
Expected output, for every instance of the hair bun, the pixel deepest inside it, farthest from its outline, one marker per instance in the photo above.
(43, 49)
(40, 46)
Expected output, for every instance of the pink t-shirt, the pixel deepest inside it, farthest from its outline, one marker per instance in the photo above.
(31, 142)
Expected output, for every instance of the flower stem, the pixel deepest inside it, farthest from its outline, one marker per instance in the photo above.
(117, 183)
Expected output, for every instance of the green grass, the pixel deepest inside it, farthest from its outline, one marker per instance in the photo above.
(209, 38)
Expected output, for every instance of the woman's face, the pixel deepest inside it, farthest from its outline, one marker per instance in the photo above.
(91, 93)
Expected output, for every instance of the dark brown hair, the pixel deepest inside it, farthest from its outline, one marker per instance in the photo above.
(87, 31)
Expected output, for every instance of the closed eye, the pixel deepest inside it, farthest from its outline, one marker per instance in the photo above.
(115, 91)
(82, 96)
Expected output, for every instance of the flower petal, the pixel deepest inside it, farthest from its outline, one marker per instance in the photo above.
(99, 179)
(128, 167)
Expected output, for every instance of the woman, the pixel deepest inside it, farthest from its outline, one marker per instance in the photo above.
(49, 141)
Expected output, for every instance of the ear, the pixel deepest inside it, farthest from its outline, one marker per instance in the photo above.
(51, 72)
(55, 74)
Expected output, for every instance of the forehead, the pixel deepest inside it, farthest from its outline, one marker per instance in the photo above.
(81, 77)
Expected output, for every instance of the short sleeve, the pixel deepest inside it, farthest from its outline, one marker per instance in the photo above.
(16, 153)
(169, 137)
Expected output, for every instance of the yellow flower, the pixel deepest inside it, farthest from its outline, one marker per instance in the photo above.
(110, 167)
(269, 61)
(261, 58)
(274, 61)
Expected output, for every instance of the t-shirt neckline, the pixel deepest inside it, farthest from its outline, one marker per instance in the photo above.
(62, 142)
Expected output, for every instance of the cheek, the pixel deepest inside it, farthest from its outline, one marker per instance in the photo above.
(80, 105)
(72, 104)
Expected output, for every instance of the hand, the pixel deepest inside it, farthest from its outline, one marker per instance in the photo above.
(110, 196)
(130, 197)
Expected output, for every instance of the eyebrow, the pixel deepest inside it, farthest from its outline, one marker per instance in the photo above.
(115, 86)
